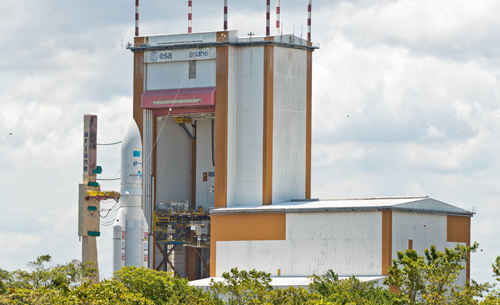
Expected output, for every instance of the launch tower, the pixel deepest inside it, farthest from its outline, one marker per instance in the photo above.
(226, 127)
(227, 121)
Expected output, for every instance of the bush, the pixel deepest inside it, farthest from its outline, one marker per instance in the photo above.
(418, 280)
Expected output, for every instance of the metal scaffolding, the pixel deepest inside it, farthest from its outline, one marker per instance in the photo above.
(177, 225)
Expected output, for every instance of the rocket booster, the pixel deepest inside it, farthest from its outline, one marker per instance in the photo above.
(130, 230)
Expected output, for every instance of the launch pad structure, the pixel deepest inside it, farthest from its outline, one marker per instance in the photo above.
(178, 225)
(226, 129)
(231, 119)
(88, 203)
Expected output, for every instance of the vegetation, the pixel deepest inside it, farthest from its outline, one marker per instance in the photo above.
(349, 291)
(413, 279)
(431, 280)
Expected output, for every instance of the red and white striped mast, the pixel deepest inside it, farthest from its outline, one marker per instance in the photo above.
(309, 20)
(268, 15)
(190, 16)
(225, 15)
(136, 17)
(277, 17)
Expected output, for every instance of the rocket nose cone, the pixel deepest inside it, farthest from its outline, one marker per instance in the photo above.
(130, 129)
(132, 155)
(131, 134)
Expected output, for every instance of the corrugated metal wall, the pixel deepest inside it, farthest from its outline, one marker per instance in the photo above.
(173, 176)
(172, 75)
(245, 115)
(348, 243)
(408, 226)
(204, 162)
(289, 124)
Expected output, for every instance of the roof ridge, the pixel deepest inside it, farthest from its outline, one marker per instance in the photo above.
(361, 198)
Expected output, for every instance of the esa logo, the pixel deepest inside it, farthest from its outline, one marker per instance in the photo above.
(154, 56)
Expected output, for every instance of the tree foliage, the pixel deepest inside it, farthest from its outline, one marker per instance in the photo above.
(432, 280)
(416, 279)
(40, 275)
(161, 287)
(349, 291)
(496, 268)
(242, 287)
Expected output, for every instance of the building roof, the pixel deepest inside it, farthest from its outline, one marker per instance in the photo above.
(209, 39)
(420, 204)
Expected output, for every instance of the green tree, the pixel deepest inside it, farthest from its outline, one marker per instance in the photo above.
(496, 268)
(493, 296)
(348, 291)
(242, 287)
(432, 281)
(291, 296)
(56, 276)
(161, 287)
(42, 296)
(442, 272)
(4, 277)
(419, 280)
(104, 292)
(407, 275)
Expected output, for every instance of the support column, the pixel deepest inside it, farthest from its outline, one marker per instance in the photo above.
(308, 124)
(88, 216)
(386, 241)
(147, 172)
(267, 159)
(221, 121)
(89, 253)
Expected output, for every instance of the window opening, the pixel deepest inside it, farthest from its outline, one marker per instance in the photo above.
(192, 69)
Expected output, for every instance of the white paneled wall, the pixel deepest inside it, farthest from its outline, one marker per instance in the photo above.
(347, 243)
(245, 126)
(289, 124)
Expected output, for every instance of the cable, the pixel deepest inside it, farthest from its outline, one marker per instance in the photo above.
(112, 177)
(359, 132)
(108, 223)
(376, 126)
(352, 122)
(407, 105)
(170, 108)
(492, 261)
(116, 174)
(108, 210)
(106, 144)
(423, 224)
(213, 144)
(109, 201)
(300, 22)
(149, 210)
(390, 144)
(64, 73)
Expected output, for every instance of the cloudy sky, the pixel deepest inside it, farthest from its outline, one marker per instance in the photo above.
(405, 102)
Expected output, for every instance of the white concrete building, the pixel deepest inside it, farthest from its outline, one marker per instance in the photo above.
(226, 124)
(356, 236)
(229, 115)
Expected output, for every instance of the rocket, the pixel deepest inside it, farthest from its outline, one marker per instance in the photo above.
(130, 229)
